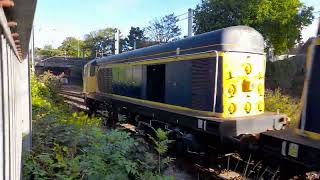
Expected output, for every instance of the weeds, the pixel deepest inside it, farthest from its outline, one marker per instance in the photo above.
(286, 104)
(68, 145)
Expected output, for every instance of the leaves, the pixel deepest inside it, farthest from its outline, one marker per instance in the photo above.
(165, 29)
(100, 41)
(161, 146)
(71, 145)
(48, 51)
(278, 101)
(280, 22)
(72, 47)
(136, 38)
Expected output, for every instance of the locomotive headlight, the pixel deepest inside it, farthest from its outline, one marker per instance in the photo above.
(248, 68)
(232, 89)
(247, 86)
(260, 89)
(232, 108)
(260, 106)
(247, 107)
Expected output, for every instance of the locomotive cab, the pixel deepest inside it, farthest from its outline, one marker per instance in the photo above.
(299, 149)
(309, 120)
(89, 77)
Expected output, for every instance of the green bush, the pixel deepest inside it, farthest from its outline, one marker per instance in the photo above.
(53, 83)
(69, 145)
(277, 101)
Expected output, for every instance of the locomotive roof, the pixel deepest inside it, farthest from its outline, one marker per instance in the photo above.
(235, 38)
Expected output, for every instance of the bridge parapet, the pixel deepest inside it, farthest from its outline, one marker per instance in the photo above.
(16, 18)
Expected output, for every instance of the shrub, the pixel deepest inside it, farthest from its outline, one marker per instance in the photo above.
(69, 145)
(278, 101)
(52, 82)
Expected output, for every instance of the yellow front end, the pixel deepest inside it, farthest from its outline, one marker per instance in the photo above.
(243, 84)
(89, 79)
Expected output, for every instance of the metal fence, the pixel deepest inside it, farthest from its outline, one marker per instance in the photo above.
(14, 103)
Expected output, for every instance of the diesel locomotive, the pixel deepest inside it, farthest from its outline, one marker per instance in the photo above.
(208, 90)
(213, 83)
(299, 148)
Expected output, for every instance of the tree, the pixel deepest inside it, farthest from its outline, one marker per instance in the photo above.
(280, 22)
(161, 143)
(48, 51)
(135, 38)
(101, 41)
(164, 30)
(71, 46)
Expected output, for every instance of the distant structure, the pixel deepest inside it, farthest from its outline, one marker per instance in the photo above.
(16, 19)
(299, 50)
(70, 67)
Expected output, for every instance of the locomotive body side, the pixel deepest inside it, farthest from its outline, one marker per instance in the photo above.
(215, 78)
(188, 83)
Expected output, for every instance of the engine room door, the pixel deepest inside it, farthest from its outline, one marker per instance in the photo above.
(156, 82)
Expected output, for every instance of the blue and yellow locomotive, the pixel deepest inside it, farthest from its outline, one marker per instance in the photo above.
(209, 88)
(212, 82)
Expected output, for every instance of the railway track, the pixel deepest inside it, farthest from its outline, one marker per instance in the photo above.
(74, 99)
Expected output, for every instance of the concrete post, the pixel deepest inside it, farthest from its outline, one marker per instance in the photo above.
(190, 20)
(117, 42)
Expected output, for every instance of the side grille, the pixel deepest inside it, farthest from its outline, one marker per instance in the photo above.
(105, 80)
(202, 84)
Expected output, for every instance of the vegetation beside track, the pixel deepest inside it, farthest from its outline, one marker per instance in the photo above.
(277, 100)
(71, 145)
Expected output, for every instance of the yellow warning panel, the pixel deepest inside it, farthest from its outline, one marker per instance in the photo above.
(243, 84)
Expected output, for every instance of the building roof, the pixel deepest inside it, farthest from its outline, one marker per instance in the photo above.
(59, 61)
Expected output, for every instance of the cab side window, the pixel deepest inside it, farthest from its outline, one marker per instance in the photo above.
(92, 70)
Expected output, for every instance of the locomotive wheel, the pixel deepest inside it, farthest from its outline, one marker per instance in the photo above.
(92, 106)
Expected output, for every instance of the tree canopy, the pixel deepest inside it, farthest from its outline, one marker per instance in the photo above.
(135, 36)
(101, 41)
(71, 46)
(164, 29)
(280, 22)
(48, 51)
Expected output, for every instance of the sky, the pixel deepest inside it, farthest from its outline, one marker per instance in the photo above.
(57, 19)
